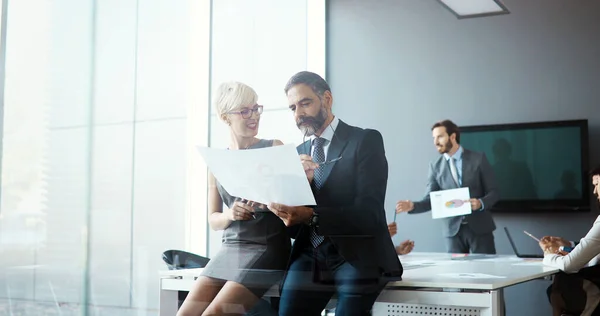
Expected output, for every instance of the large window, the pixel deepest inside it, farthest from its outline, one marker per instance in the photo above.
(263, 43)
(104, 104)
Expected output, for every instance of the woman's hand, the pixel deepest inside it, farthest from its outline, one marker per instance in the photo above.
(242, 210)
(551, 245)
(555, 240)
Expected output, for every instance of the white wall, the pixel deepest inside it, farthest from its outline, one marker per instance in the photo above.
(400, 66)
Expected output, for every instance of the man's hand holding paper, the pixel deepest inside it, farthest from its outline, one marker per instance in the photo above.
(449, 203)
(291, 215)
(475, 204)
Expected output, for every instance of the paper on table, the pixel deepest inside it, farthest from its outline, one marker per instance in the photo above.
(429, 263)
(471, 276)
(500, 259)
(448, 203)
(264, 175)
(537, 262)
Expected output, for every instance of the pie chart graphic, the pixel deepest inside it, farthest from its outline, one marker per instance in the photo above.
(454, 203)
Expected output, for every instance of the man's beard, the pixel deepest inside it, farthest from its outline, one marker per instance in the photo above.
(445, 148)
(309, 125)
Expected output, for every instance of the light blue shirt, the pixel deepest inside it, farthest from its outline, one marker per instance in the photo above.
(458, 161)
(327, 135)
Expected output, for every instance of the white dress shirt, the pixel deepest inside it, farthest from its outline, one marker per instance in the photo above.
(584, 254)
(327, 135)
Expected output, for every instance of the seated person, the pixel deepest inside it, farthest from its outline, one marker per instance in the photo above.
(575, 291)
(406, 246)
(255, 244)
(586, 250)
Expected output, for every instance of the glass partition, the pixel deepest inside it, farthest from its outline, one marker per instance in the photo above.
(104, 103)
(263, 43)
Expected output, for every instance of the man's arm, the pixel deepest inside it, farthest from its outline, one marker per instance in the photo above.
(365, 213)
(432, 185)
(294, 230)
(490, 189)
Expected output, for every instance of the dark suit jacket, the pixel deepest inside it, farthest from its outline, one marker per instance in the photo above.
(350, 204)
(478, 176)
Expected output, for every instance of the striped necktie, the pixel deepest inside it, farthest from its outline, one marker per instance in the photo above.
(318, 157)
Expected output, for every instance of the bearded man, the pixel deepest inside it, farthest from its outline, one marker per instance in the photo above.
(458, 167)
(342, 245)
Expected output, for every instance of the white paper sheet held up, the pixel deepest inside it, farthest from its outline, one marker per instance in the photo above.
(449, 203)
(264, 175)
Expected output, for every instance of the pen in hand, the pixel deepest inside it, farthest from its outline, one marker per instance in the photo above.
(530, 235)
(249, 203)
(330, 161)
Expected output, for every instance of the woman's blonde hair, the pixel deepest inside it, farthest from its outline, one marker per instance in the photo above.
(233, 95)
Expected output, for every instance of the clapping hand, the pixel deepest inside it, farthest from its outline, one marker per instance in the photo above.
(405, 247)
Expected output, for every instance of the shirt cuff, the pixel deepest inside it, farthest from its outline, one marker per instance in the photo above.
(572, 244)
(482, 206)
(549, 260)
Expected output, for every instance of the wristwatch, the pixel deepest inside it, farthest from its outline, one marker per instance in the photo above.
(314, 220)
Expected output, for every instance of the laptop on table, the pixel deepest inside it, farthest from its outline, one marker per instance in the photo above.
(514, 247)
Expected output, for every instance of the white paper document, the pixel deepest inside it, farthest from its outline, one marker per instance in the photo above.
(535, 262)
(449, 203)
(264, 175)
(425, 263)
(471, 276)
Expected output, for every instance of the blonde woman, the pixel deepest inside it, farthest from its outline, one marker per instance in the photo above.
(256, 246)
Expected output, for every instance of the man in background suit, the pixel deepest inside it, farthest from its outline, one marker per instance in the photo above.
(459, 167)
(341, 245)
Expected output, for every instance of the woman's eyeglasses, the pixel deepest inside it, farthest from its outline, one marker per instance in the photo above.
(247, 113)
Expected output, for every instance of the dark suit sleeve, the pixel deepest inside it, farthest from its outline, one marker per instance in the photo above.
(294, 230)
(432, 185)
(365, 212)
(488, 180)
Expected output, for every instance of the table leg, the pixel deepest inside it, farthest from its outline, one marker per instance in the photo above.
(168, 303)
(497, 305)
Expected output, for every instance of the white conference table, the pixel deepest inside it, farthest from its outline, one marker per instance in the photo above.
(433, 284)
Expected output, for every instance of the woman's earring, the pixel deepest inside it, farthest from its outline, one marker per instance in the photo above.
(226, 119)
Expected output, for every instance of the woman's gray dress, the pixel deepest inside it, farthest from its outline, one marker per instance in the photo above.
(255, 252)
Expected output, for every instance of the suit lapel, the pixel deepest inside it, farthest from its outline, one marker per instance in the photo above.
(338, 143)
(466, 167)
(304, 148)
